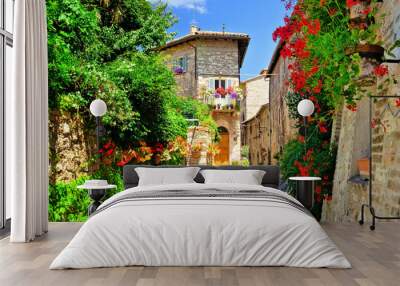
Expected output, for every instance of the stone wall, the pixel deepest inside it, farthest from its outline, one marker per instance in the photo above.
(354, 140)
(256, 94)
(352, 145)
(255, 134)
(186, 82)
(217, 57)
(282, 127)
(70, 146)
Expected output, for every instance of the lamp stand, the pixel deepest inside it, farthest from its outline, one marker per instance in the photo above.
(305, 134)
(98, 132)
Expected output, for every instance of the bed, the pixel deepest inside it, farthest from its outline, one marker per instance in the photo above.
(201, 224)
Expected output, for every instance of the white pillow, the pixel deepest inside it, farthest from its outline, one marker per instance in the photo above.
(248, 177)
(166, 176)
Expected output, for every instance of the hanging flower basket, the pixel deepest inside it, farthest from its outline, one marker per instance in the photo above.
(178, 70)
(368, 51)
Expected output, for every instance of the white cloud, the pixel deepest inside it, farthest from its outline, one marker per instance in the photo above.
(198, 5)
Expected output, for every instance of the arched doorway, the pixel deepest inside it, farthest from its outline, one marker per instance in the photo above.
(223, 157)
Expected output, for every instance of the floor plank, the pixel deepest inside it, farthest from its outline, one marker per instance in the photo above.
(375, 257)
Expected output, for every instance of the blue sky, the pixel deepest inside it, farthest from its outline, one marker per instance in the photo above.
(258, 18)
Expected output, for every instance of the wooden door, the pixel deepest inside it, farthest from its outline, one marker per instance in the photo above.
(223, 157)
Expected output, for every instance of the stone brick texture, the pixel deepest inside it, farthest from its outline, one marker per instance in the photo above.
(282, 126)
(255, 134)
(71, 146)
(256, 94)
(354, 140)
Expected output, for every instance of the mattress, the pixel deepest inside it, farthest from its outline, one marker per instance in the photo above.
(201, 225)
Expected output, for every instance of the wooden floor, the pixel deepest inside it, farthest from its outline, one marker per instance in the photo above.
(375, 257)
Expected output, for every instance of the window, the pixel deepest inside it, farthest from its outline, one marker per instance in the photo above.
(180, 65)
(216, 83)
(6, 63)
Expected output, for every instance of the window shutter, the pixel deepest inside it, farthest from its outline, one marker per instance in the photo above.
(211, 84)
(185, 64)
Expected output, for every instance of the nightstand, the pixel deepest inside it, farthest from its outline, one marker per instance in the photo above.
(96, 193)
(305, 190)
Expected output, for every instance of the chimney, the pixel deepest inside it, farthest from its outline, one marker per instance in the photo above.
(194, 29)
(264, 72)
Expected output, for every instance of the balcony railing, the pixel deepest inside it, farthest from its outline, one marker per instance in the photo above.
(224, 102)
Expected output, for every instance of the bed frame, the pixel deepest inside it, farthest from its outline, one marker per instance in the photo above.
(270, 179)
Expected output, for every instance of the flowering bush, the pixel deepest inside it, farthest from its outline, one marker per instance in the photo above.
(172, 153)
(317, 39)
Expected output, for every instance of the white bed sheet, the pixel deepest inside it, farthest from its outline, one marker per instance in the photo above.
(201, 232)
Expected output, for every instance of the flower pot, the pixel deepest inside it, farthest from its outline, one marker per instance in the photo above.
(368, 51)
(363, 167)
(196, 154)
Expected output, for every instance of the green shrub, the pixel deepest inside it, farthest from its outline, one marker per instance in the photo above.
(68, 203)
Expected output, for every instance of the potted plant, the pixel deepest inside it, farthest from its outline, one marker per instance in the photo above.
(212, 151)
(196, 150)
(178, 70)
(363, 164)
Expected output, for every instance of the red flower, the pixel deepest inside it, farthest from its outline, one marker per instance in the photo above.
(158, 148)
(381, 70)
(318, 87)
(299, 48)
(352, 107)
(122, 163)
(322, 127)
(366, 11)
(286, 52)
(318, 189)
(101, 151)
(109, 152)
(314, 27)
(351, 3)
(108, 145)
(373, 123)
(221, 91)
(301, 139)
(325, 178)
(397, 102)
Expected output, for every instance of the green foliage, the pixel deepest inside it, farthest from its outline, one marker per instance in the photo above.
(194, 109)
(106, 49)
(317, 160)
(67, 203)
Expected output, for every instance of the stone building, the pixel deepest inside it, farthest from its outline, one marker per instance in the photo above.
(352, 134)
(256, 94)
(204, 61)
(281, 126)
(270, 128)
(255, 134)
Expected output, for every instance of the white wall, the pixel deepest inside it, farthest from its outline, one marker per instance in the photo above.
(257, 94)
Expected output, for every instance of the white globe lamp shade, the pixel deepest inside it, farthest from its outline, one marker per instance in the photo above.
(305, 107)
(98, 107)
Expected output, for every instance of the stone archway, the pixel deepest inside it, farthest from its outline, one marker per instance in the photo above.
(223, 158)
